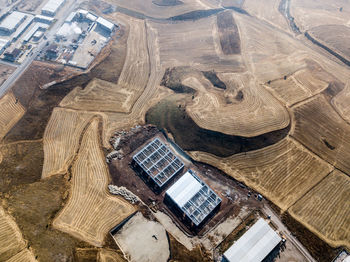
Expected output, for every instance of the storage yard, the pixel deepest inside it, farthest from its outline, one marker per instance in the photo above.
(80, 39)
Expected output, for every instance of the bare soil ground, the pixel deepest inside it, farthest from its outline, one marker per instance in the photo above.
(21, 163)
(5, 72)
(180, 253)
(33, 207)
(326, 209)
(151, 245)
(320, 128)
(283, 172)
(228, 33)
(37, 102)
(90, 211)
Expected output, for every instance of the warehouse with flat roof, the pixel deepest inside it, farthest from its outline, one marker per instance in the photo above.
(255, 245)
(105, 24)
(157, 164)
(52, 7)
(192, 199)
(12, 22)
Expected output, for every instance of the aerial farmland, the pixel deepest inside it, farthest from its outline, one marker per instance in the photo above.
(175, 130)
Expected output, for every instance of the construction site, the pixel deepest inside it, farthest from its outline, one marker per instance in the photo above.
(194, 198)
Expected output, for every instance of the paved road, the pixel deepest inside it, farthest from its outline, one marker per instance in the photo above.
(282, 228)
(67, 9)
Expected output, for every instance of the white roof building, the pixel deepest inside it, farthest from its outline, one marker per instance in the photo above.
(71, 17)
(193, 197)
(12, 21)
(32, 31)
(105, 23)
(23, 27)
(3, 45)
(44, 19)
(51, 7)
(254, 245)
(91, 17)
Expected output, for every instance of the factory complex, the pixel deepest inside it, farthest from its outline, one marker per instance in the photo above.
(189, 197)
(77, 41)
(20, 32)
(80, 39)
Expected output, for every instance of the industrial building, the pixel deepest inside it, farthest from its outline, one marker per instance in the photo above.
(12, 22)
(105, 24)
(32, 31)
(13, 55)
(192, 199)
(22, 28)
(157, 164)
(255, 245)
(44, 19)
(3, 45)
(52, 7)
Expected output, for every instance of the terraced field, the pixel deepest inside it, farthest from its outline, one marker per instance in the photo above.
(11, 112)
(61, 139)
(196, 44)
(283, 172)
(24, 256)
(301, 85)
(90, 211)
(102, 95)
(12, 244)
(326, 209)
(109, 256)
(152, 8)
(323, 131)
(341, 103)
(244, 109)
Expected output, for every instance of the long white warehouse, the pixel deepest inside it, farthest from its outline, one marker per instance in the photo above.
(51, 7)
(254, 245)
(12, 21)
